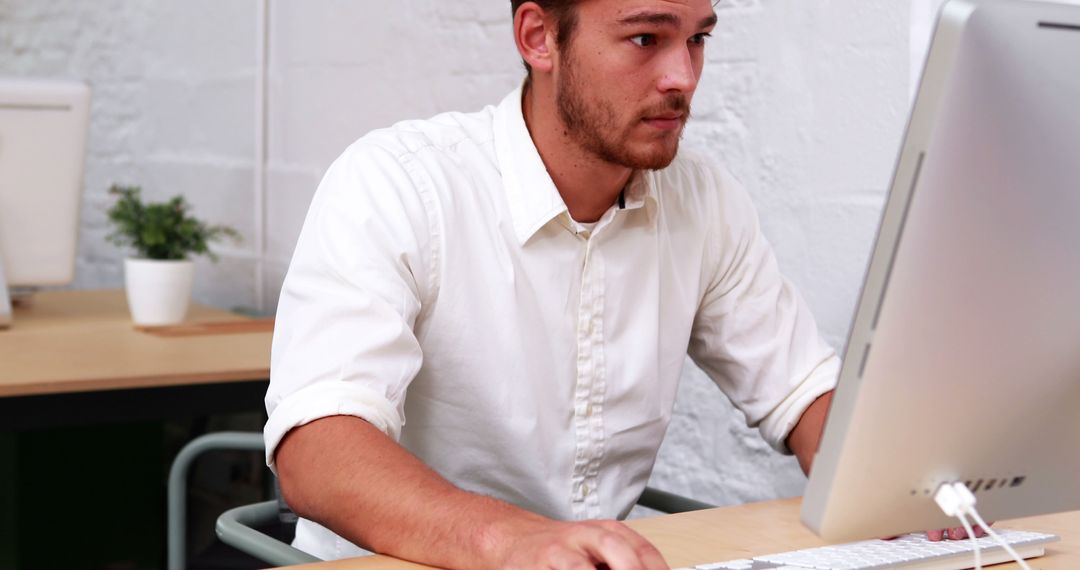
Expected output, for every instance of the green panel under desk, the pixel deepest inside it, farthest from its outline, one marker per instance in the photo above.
(8, 506)
(84, 498)
(83, 475)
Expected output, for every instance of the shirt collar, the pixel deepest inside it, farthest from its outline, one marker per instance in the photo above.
(534, 200)
(640, 192)
(532, 196)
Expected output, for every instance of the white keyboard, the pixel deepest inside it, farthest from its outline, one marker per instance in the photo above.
(910, 552)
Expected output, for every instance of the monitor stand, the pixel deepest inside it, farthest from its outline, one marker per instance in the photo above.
(5, 298)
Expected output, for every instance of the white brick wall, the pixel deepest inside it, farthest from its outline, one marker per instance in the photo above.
(805, 101)
(172, 83)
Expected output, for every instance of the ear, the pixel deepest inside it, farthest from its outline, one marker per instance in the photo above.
(534, 33)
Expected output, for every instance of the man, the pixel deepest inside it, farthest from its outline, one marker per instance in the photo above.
(523, 284)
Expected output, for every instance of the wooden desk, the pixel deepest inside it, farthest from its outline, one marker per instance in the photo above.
(752, 530)
(75, 357)
(80, 341)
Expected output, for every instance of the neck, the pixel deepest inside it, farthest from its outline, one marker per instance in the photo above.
(587, 184)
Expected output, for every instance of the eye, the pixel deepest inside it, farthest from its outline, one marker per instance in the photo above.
(644, 40)
(699, 39)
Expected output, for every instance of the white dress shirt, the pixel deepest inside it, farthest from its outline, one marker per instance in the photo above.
(441, 291)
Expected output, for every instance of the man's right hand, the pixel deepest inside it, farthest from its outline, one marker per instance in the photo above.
(954, 533)
(574, 545)
(348, 476)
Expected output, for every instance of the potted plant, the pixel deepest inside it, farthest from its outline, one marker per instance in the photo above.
(159, 278)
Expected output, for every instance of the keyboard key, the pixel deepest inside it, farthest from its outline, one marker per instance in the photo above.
(908, 550)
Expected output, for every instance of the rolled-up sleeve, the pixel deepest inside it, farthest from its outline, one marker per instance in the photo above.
(754, 334)
(362, 270)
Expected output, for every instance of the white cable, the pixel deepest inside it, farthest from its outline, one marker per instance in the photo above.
(975, 514)
(973, 538)
(954, 500)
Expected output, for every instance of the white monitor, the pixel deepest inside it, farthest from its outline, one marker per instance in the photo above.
(963, 362)
(43, 127)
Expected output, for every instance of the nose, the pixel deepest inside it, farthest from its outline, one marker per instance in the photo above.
(680, 72)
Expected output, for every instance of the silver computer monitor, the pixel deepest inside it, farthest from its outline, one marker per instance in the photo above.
(43, 126)
(963, 362)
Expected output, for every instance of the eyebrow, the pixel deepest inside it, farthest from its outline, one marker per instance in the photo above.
(663, 19)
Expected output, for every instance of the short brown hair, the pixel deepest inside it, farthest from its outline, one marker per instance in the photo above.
(565, 18)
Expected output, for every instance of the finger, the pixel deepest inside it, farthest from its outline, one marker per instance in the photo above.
(935, 535)
(610, 548)
(563, 559)
(565, 555)
(957, 533)
(980, 531)
(648, 554)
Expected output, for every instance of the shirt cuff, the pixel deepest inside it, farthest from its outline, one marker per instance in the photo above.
(776, 426)
(323, 400)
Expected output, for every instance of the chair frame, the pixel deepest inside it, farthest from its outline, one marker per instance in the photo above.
(237, 527)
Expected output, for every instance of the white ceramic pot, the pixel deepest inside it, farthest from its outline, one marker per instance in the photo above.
(158, 292)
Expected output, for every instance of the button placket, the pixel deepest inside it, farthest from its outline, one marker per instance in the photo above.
(589, 389)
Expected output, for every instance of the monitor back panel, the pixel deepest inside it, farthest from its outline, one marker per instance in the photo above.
(963, 362)
(43, 128)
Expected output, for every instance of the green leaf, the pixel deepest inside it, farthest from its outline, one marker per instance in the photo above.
(161, 230)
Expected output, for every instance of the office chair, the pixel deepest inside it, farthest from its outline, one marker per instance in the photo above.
(178, 487)
(237, 527)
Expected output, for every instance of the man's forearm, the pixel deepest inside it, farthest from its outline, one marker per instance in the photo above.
(350, 477)
(805, 437)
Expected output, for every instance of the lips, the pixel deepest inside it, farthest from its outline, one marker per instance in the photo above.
(670, 114)
(667, 121)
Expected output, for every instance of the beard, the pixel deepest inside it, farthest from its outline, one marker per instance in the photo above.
(594, 124)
